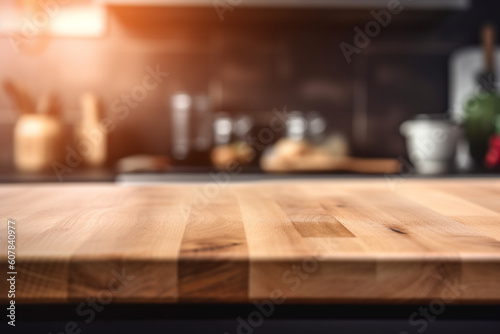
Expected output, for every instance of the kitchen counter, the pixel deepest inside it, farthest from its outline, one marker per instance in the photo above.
(11, 175)
(307, 241)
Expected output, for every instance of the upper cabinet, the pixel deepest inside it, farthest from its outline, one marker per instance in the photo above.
(27, 19)
(351, 4)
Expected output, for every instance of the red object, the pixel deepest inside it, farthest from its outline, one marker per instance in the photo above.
(492, 159)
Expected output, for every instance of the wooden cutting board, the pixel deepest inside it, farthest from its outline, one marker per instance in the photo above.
(336, 241)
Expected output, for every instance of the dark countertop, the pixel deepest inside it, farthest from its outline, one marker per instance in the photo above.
(183, 174)
(224, 177)
(79, 175)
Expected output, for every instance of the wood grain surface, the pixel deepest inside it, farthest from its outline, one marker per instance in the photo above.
(307, 241)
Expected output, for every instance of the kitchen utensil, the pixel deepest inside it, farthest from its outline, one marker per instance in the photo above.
(181, 114)
(316, 129)
(90, 138)
(288, 156)
(20, 97)
(203, 123)
(296, 125)
(38, 136)
(37, 142)
(431, 142)
(232, 151)
(223, 129)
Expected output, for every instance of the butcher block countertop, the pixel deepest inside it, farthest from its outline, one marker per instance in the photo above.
(391, 240)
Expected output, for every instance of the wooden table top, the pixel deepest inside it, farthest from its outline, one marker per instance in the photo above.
(314, 241)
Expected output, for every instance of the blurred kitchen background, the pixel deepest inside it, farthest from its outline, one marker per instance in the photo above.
(229, 65)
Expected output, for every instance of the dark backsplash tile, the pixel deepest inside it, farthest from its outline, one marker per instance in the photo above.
(253, 61)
